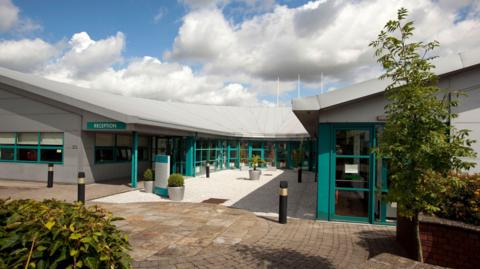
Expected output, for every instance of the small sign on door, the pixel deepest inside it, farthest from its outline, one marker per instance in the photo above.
(351, 168)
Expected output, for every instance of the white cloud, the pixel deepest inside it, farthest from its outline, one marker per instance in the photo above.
(26, 55)
(85, 57)
(238, 63)
(11, 21)
(8, 15)
(321, 36)
(89, 63)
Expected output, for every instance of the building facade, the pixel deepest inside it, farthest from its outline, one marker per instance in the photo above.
(110, 137)
(347, 124)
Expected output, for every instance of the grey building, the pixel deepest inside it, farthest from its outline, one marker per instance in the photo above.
(110, 136)
(347, 123)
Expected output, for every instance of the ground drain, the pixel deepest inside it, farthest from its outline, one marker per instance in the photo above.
(216, 201)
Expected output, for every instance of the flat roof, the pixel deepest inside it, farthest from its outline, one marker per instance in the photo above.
(234, 121)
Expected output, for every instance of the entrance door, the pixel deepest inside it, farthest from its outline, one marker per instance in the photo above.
(352, 174)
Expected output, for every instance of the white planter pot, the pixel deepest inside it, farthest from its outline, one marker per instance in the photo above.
(176, 193)
(254, 174)
(148, 186)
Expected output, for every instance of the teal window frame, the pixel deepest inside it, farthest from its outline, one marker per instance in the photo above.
(38, 147)
(370, 157)
(372, 189)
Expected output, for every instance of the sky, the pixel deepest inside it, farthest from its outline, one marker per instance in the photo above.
(220, 52)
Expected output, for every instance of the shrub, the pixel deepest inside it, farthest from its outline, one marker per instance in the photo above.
(54, 234)
(461, 200)
(148, 175)
(175, 180)
(256, 161)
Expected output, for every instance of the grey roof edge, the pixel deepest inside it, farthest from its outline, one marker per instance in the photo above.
(22, 84)
(219, 133)
(36, 90)
(445, 66)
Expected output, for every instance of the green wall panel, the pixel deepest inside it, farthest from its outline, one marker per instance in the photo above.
(324, 154)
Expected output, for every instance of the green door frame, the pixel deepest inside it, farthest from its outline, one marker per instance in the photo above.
(326, 161)
(372, 171)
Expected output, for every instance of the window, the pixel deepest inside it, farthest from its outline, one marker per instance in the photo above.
(51, 147)
(111, 148)
(31, 147)
(7, 146)
(104, 148)
(143, 149)
(51, 155)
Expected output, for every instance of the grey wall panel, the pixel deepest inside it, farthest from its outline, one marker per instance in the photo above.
(365, 110)
(21, 114)
(469, 107)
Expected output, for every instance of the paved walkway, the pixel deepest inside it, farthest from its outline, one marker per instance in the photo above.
(258, 196)
(68, 192)
(187, 235)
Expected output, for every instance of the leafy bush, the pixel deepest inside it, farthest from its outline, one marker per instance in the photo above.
(148, 175)
(256, 161)
(460, 200)
(53, 234)
(175, 180)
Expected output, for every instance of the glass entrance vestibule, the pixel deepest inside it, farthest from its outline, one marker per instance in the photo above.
(352, 182)
(189, 155)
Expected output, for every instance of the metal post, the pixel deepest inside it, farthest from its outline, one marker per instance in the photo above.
(283, 195)
(207, 170)
(81, 187)
(299, 175)
(50, 175)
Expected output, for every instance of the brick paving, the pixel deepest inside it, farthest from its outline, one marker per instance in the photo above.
(15, 189)
(187, 235)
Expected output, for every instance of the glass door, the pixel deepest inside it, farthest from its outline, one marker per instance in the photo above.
(352, 173)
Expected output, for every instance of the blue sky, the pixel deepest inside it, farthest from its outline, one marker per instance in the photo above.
(146, 33)
(225, 52)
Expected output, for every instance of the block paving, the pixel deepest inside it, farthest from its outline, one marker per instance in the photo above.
(192, 235)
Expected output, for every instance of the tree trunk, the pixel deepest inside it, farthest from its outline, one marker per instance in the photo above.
(408, 236)
(418, 241)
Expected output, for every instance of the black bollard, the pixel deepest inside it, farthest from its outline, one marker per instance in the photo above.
(207, 170)
(299, 175)
(50, 175)
(81, 187)
(283, 195)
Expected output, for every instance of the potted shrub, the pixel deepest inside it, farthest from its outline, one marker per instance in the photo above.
(148, 180)
(254, 173)
(176, 188)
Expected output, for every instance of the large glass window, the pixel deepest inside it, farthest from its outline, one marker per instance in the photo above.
(31, 147)
(51, 155)
(118, 148)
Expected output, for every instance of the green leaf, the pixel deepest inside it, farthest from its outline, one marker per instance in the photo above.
(74, 252)
(75, 236)
(49, 224)
(41, 248)
(41, 264)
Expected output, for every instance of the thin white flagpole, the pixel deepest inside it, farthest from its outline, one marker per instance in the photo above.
(321, 82)
(298, 86)
(278, 89)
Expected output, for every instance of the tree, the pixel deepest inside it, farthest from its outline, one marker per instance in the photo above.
(418, 139)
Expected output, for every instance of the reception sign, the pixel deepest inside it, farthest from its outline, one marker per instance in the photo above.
(105, 125)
